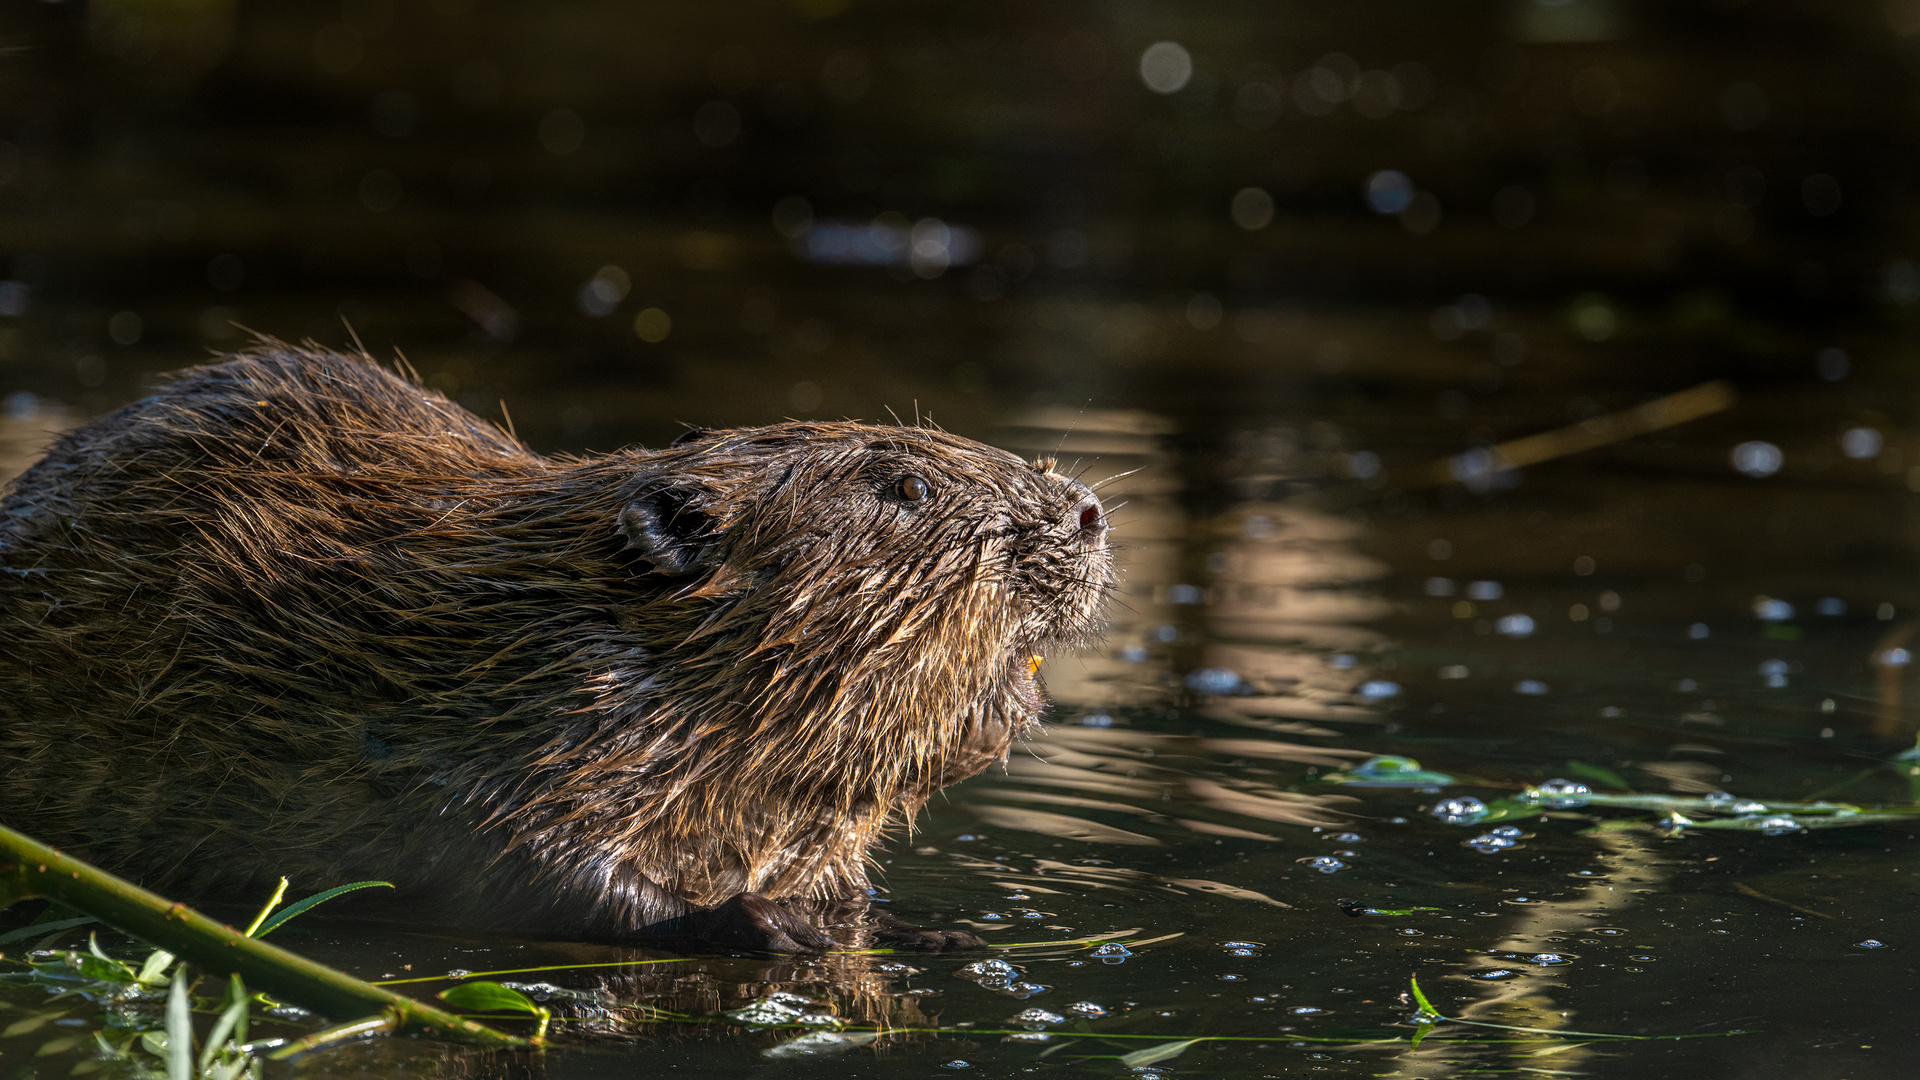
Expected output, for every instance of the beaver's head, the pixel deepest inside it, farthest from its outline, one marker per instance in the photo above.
(901, 581)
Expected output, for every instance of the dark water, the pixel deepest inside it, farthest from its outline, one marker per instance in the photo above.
(616, 219)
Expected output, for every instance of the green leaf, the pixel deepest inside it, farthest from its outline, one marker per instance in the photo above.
(155, 1043)
(314, 901)
(1425, 1012)
(230, 1018)
(94, 967)
(179, 1028)
(154, 971)
(489, 997)
(1420, 1033)
(1159, 1052)
(1594, 772)
(37, 929)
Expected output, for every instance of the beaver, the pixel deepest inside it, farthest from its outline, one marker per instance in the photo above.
(296, 614)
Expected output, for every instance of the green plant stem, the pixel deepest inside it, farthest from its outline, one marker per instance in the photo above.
(29, 869)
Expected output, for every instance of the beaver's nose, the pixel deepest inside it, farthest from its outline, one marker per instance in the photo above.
(1087, 514)
(1092, 520)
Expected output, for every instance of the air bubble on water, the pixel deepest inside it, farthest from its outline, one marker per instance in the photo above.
(1487, 843)
(956, 1063)
(1326, 864)
(966, 838)
(1439, 586)
(1484, 590)
(1717, 797)
(1341, 661)
(1343, 837)
(1386, 765)
(1757, 459)
(988, 969)
(1748, 806)
(1549, 959)
(1112, 953)
(1087, 1009)
(1516, 626)
(1305, 1010)
(1533, 687)
(1232, 978)
(1870, 944)
(1778, 825)
(1505, 830)
(992, 916)
(458, 973)
(1378, 690)
(767, 1012)
(1464, 810)
(1240, 948)
(1497, 975)
(1034, 1019)
(1559, 794)
(1768, 609)
(1099, 719)
(1213, 681)
(1831, 605)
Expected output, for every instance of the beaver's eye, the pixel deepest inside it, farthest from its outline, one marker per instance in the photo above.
(913, 489)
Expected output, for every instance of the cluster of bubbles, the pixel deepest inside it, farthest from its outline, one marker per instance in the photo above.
(1002, 977)
(1498, 838)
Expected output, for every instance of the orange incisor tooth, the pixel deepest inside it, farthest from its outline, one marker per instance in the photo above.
(1033, 664)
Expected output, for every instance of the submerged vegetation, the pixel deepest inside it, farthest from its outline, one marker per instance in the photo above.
(148, 1004)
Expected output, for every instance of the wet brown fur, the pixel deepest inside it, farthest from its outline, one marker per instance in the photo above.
(295, 614)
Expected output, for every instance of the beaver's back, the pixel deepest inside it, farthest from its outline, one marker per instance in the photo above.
(244, 621)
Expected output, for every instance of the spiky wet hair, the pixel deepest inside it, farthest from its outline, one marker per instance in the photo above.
(295, 613)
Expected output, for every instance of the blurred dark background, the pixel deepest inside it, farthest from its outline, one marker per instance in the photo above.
(1478, 219)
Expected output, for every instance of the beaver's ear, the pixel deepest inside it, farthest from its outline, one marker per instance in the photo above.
(663, 524)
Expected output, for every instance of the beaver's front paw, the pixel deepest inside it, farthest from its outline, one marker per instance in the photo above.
(891, 932)
(751, 921)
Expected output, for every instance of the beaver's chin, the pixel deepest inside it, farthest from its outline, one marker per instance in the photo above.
(1023, 686)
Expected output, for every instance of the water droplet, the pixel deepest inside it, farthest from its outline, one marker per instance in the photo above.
(1464, 810)
(1326, 864)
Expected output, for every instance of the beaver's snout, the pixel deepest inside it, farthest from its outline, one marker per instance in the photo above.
(1088, 516)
